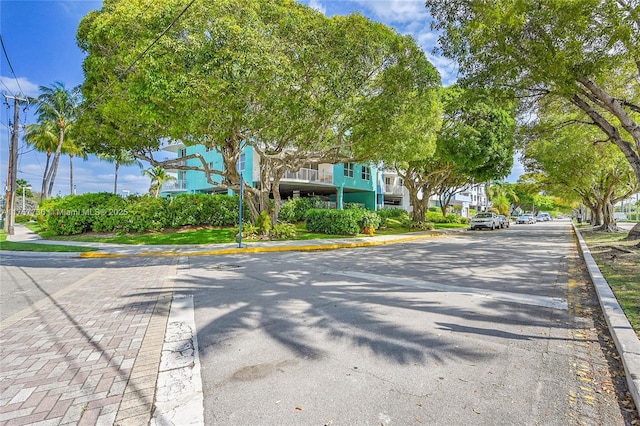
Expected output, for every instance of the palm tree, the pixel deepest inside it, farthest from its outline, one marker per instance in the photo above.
(121, 157)
(158, 176)
(44, 138)
(502, 195)
(57, 105)
(73, 149)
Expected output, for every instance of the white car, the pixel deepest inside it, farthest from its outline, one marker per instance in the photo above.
(488, 220)
(526, 218)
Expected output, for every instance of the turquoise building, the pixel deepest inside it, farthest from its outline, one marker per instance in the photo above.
(334, 183)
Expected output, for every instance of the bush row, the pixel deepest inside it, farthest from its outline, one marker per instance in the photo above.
(340, 222)
(106, 212)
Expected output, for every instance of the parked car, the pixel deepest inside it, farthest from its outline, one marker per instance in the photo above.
(504, 221)
(526, 218)
(543, 217)
(487, 220)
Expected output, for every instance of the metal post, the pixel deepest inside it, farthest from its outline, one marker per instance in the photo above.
(240, 218)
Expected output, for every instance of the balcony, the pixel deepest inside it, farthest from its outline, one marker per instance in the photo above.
(174, 186)
(309, 175)
(393, 189)
(174, 146)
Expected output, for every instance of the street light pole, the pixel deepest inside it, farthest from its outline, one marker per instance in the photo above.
(240, 218)
(24, 188)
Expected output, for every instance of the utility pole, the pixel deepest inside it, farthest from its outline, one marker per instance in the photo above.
(12, 169)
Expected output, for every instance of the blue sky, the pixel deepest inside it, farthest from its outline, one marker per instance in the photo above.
(39, 37)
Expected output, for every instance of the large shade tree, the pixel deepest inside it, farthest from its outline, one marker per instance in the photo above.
(573, 163)
(584, 51)
(476, 141)
(298, 87)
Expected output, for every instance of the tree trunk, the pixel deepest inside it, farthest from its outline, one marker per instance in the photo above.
(443, 208)
(44, 177)
(608, 224)
(420, 207)
(634, 234)
(277, 199)
(51, 177)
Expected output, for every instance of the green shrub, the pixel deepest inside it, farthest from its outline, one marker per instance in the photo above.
(293, 210)
(333, 222)
(367, 218)
(24, 218)
(110, 216)
(283, 231)
(436, 217)
(389, 213)
(349, 206)
(74, 214)
(145, 213)
(422, 226)
(248, 230)
(264, 223)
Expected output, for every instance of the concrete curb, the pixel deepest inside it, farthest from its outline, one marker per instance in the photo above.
(624, 336)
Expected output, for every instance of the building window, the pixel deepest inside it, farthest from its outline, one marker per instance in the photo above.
(388, 181)
(240, 163)
(348, 169)
(182, 152)
(366, 173)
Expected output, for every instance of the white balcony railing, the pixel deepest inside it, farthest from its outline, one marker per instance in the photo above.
(179, 185)
(310, 175)
(393, 189)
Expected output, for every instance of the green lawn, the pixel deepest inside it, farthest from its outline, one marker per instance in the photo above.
(619, 262)
(185, 236)
(203, 236)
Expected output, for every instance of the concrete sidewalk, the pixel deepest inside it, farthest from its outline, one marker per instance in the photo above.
(63, 364)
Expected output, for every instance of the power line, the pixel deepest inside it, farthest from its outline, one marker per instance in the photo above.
(6, 55)
(141, 55)
(7, 87)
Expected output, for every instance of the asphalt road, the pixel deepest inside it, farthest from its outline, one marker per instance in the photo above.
(482, 328)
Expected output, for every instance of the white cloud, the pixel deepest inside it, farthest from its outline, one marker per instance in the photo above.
(19, 86)
(396, 11)
(315, 4)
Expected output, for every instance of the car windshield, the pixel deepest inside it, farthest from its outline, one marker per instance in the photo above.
(484, 215)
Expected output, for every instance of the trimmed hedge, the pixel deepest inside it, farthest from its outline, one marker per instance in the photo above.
(340, 222)
(106, 212)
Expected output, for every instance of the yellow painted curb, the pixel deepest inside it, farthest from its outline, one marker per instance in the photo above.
(97, 255)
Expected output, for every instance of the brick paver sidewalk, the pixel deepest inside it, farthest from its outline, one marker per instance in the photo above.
(88, 354)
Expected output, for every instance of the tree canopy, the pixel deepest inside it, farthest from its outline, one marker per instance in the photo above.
(584, 51)
(572, 163)
(476, 142)
(297, 86)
